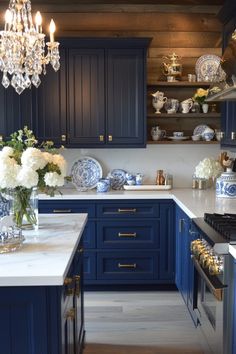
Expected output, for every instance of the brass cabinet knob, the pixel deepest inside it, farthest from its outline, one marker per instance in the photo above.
(68, 281)
(101, 138)
(109, 137)
(70, 314)
(233, 135)
(63, 137)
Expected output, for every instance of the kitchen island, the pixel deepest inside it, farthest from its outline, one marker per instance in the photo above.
(41, 299)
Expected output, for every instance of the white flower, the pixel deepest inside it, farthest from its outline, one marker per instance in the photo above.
(53, 179)
(61, 163)
(27, 177)
(48, 157)
(208, 168)
(33, 158)
(7, 151)
(8, 172)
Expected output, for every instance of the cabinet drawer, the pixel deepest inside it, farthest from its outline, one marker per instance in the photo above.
(89, 235)
(128, 234)
(126, 265)
(66, 206)
(128, 209)
(89, 265)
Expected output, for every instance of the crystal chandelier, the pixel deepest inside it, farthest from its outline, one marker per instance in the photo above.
(22, 47)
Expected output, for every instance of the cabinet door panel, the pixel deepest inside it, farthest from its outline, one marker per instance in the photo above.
(86, 97)
(129, 234)
(16, 110)
(125, 97)
(50, 104)
(124, 265)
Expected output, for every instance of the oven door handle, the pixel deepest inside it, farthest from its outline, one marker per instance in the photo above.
(217, 290)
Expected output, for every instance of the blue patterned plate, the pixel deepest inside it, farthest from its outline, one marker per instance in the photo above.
(118, 178)
(199, 130)
(85, 173)
(208, 68)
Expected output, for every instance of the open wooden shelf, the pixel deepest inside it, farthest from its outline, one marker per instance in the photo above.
(180, 83)
(184, 115)
(161, 142)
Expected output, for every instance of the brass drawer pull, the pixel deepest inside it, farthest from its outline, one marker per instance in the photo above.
(110, 138)
(101, 138)
(127, 210)
(63, 137)
(127, 235)
(62, 211)
(127, 265)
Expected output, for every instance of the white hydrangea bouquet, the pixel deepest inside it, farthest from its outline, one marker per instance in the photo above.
(24, 167)
(208, 168)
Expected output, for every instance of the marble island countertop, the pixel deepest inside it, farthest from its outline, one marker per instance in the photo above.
(46, 254)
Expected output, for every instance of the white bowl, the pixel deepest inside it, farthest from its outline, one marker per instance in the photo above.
(196, 137)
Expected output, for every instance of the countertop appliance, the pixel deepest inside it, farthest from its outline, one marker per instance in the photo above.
(213, 271)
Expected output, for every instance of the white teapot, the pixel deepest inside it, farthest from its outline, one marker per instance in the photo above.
(158, 101)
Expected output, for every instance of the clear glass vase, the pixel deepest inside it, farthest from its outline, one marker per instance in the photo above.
(24, 207)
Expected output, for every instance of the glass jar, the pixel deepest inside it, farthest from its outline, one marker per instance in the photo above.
(160, 179)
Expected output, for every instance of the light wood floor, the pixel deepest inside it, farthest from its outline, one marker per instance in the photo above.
(138, 323)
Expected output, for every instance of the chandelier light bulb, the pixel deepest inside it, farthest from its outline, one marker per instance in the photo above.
(52, 29)
(23, 57)
(38, 21)
(8, 20)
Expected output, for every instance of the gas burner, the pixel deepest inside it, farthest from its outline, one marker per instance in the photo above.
(225, 224)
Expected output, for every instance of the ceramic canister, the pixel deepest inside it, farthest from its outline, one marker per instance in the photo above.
(226, 185)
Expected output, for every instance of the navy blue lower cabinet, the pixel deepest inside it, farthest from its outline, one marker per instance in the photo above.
(125, 266)
(125, 241)
(43, 319)
(185, 275)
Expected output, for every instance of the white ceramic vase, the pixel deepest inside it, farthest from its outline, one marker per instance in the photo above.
(205, 107)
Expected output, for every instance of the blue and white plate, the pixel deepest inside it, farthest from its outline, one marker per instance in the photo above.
(85, 173)
(118, 178)
(199, 130)
(208, 68)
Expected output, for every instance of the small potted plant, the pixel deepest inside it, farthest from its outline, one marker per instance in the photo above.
(200, 97)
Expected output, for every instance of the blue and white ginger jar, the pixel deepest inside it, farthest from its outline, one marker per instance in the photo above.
(226, 185)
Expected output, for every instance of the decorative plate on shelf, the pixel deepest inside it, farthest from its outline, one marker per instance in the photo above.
(118, 178)
(200, 129)
(178, 138)
(85, 173)
(208, 68)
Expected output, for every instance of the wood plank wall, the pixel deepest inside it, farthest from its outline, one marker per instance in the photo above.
(189, 31)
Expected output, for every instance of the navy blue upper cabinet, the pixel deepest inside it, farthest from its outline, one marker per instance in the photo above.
(106, 92)
(49, 105)
(86, 108)
(228, 118)
(125, 97)
(16, 110)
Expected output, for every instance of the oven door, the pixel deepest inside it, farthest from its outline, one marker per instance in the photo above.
(210, 294)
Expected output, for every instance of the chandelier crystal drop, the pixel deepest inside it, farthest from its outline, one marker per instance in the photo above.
(23, 57)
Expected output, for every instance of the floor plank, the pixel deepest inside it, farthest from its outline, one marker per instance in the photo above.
(139, 322)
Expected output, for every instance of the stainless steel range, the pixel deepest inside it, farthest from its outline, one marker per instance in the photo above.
(213, 278)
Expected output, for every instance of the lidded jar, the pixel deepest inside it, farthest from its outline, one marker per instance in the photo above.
(226, 184)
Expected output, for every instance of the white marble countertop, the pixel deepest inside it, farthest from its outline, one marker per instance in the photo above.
(46, 254)
(194, 202)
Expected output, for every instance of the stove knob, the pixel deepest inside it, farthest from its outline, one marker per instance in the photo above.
(209, 261)
(214, 269)
(194, 244)
(203, 258)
